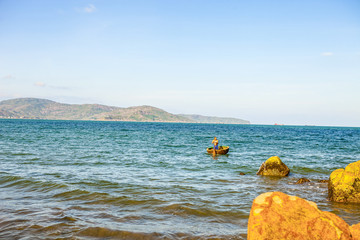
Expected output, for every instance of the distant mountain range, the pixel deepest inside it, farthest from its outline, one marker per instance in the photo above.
(35, 108)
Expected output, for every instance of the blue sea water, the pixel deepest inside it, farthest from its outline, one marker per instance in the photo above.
(128, 180)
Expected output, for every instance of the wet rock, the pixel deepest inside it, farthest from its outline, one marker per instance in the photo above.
(241, 173)
(273, 167)
(344, 184)
(355, 231)
(302, 180)
(323, 181)
(275, 215)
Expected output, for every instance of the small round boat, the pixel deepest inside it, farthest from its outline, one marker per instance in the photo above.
(222, 150)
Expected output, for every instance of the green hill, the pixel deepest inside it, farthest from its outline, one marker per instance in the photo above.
(34, 108)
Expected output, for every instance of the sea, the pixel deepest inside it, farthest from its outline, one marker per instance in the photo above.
(132, 180)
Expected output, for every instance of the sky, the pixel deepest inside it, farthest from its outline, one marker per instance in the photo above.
(286, 62)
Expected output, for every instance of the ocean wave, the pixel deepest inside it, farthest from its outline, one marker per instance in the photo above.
(309, 170)
(22, 154)
(29, 184)
(127, 201)
(188, 210)
(101, 198)
(106, 233)
(97, 183)
(78, 194)
(16, 229)
(8, 178)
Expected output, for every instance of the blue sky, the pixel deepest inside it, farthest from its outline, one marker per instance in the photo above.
(289, 62)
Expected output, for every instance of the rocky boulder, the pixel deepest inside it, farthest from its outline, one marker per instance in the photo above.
(344, 184)
(273, 167)
(275, 215)
(355, 231)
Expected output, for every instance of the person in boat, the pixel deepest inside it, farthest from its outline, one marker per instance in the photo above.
(216, 143)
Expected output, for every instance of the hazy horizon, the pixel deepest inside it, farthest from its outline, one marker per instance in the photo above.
(196, 114)
(293, 63)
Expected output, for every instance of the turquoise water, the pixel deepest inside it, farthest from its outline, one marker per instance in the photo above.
(122, 180)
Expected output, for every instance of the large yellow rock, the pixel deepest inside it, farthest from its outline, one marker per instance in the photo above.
(273, 167)
(355, 231)
(275, 215)
(344, 184)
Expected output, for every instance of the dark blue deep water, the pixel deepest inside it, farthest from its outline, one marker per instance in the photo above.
(124, 180)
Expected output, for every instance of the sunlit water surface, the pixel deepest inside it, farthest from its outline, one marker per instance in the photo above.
(122, 180)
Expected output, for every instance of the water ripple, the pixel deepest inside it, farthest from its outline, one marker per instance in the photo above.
(98, 180)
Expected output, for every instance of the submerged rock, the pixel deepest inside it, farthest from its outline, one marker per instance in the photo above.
(344, 184)
(276, 215)
(302, 180)
(273, 167)
(323, 181)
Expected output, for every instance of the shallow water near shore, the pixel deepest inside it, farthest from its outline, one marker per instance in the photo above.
(124, 180)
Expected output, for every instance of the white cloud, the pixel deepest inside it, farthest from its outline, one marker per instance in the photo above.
(327, 54)
(8, 77)
(40, 84)
(90, 8)
(44, 85)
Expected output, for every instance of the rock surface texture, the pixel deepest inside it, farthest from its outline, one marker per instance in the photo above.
(355, 231)
(275, 215)
(344, 184)
(273, 167)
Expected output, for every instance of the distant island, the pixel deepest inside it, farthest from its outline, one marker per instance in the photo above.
(35, 108)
